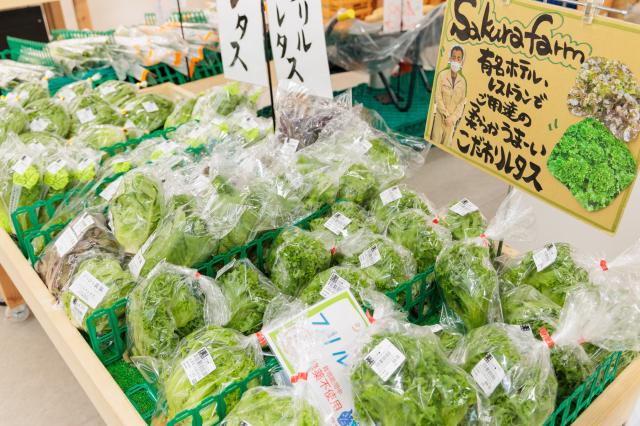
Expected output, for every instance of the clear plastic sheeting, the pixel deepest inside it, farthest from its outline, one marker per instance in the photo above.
(12, 73)
(362, 45)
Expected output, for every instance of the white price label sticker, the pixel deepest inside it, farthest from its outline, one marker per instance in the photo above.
(369, 257)
(463, 207)
(337, 223)
(89, 289)
(22, 165)
(129, 125)
(290, 146)
(81, 224)
(107, 90)
(198, 366)
(362, 145)
(335, 284)
(488, 374)
(84, 164)
(390, 195)
(39, 124)
(385, 359)
(225, 268)
(545, 257)
(138, 260)
(65, 242)
(150, 106)
(78, 309)
(85, 115)
(56, 166)
(111, 189)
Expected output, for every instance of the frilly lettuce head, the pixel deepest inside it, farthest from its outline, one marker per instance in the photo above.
(106, 269)
(355, 276)
(12, 119)
(272, 406)
(181, 113)
(90, 110)
(28, 92)
(234, 356)
(149, 112)
(100, 136)
(58, 180)
(42, 138)
(135, 210)
(47, 115)
(358, 184)
(117, 93)
(295, 257)
(409, 200)
(469, 226)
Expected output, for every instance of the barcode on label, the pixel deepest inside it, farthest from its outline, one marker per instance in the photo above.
(55, 167)
(545, 257)
(488, 374)
(198, 365)
(290, 146)
(390, 195)
(337, 223)
(111, 189)
(22, 165)
(335, 284)
(369, 257)
(85, 115)
(362, 145)
(225, 268)
(81, 224)
(89, 289)
(150, 106)
(463, 207)
(385, 359)
(78, 310)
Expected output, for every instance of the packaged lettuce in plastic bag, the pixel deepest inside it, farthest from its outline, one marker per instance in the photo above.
(181, 113)
(98, 281)
(169, 304)
(248, 292)
(274, 406)
(345, 218)
(136, 208)
(336, 279)
(48, 115)
(117, 93)
(420, 234)
(100, 136)
(294, 258)
(513, 371)
(397, 199)
(204, 364)
(71, 91)
(58, 172)
(464, 269)
(86, 232)
(553, 270)
(221, 101)
(91, 110)
(358, 184)
(24, 94)
(401, 376)
(42, 139)
(13, 118)
(388, 264)
(464, 220)
(149, 111)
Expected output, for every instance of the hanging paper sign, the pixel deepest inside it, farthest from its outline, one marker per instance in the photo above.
(392, 16)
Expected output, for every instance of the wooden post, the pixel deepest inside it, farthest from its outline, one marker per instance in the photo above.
(83, 16)
(55, 17)
(9, 291)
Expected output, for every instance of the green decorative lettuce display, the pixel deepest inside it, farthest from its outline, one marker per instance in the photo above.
(248, 293)
(295, 257)
(593, 164)
(468, 281)
(355, 276)
(47, 115)
(234, 357)
(149, 112)
(273, 406)
(426, 389)
(107, 269)
(135, 210)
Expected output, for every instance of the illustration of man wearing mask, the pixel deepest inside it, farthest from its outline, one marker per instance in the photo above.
(450, 93)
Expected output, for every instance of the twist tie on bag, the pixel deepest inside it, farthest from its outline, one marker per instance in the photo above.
(435, 220)
(603, 265)
(197, 275)
(261, 339)
(485, 239)
(333, 250)
(546, 338)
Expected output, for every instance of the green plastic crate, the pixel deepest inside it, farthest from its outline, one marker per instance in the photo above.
(209, 66)
(63, 34)
(189, 16)
(569, 410)
(30, 52)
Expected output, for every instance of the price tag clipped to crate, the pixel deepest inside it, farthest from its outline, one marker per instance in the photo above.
(385, 359)
(488, 374)
(369, 257)
(335, 284)
(197, 366)
(545, 257)
(463, 207)
(337, 223)
(89, 289)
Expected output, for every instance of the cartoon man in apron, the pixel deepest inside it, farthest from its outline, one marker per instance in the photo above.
(450, 93)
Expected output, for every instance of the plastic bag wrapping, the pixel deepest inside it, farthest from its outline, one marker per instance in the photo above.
(605, 312)
(420, 234)
(169, 304)
(117, 93)
(388, 264)
(87, 232)
(148, 112)
(81, 54)
(302, 116)
(396, 199)
(21, 173)
(24, 94)
(68, 93)
(335, 279)
(343, 220)
(244, 123)
(363, 45)
(463, 224)
(13, 119)
(49, 115)
(99, 136)
(526, 393)
(13, 73)
(391, 356)
(90, 110)
(294, 258)
(98, 281)
(194, 134)
(221, 101)
(42, 139)
(225, 356)
(248, 292)
(181, 114)
(274, 406)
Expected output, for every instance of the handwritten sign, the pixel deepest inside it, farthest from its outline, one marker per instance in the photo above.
(528, 92)
(242, 41)
(298, 43)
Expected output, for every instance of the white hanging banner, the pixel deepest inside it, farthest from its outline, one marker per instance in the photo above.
(411, 14)
(298, 44)
(392, 18)
(242, 41)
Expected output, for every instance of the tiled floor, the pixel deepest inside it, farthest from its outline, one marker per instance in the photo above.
(37, 388)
